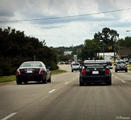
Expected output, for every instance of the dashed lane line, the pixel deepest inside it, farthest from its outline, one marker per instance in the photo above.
(123, 81)
(9, 116)
(66, 83)
(52, 91)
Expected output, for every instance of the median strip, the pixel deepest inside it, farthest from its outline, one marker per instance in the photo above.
(54, 72)
(9, 116)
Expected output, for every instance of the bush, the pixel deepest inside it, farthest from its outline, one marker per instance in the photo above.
(5, 69)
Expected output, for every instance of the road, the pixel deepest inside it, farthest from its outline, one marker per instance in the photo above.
(64, 99)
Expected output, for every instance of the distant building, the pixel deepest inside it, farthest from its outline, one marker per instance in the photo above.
(75, 57)
(125, 53)
(106, 55)
(67, 52)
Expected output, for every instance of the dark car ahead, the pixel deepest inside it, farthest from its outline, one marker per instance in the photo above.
(33, 71)
(95, 71)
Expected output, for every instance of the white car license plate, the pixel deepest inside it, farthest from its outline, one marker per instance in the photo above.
(29, 71)
(95, 72)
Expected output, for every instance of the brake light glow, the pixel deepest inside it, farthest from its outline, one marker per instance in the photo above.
(83, 72)
(41, 71)
(107, 71)
(17, 72)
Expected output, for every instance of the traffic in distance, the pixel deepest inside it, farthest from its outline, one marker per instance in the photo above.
(91, 71)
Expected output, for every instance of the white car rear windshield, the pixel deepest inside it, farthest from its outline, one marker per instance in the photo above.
(31, 64)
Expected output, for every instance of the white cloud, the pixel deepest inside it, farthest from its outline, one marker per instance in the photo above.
(69, 31)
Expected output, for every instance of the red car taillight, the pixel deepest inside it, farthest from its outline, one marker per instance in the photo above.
(42, 71)
(17, 72)
(107, 71)
(83, 72)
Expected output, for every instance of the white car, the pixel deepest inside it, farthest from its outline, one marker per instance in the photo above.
(75, 66)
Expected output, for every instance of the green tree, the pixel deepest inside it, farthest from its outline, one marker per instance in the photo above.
(106, 39)
(16, 47)
(125, 43)
(90, 49)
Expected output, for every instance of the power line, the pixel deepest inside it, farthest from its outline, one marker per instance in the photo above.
(71, 16)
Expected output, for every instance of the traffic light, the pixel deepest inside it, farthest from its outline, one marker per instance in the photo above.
(110, 47)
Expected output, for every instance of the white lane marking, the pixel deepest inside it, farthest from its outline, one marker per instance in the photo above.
(123, 81)
(66, 83)
(52, 91)
(9, 116)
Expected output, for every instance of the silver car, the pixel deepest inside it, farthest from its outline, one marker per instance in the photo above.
(121, 66)
(33, 71)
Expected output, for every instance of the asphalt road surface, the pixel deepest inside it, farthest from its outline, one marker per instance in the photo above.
(64, 99)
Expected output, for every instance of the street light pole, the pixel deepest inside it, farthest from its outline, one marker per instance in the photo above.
(102, 47)
(114, 52)
(115, 39)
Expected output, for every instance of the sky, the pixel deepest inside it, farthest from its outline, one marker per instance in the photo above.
(49, 19)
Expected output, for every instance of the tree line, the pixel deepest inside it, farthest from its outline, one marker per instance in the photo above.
(106, 40)
(16, 47)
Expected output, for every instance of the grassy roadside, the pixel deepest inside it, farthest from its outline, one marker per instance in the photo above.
(57, 72)
(7, 78)
(13, 77)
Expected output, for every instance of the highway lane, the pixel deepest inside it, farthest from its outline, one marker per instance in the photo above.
(14, 97)
(121, 75)
(64, 99)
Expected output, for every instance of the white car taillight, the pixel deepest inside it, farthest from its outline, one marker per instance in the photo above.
(17, 72)
(41, 71)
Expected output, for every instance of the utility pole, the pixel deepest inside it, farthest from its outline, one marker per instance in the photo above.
(115, 39)
(114, 53)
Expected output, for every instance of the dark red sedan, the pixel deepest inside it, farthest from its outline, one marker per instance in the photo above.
(33, 71)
